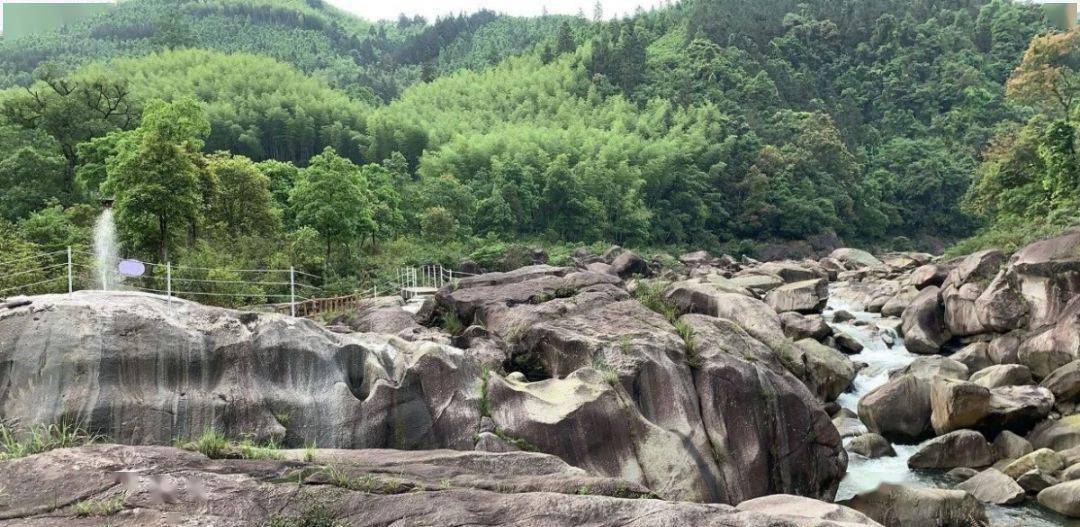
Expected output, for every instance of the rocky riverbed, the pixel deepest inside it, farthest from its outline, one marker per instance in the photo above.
(616, 391)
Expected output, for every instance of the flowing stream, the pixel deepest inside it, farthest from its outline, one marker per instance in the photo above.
(106, 252)
(866, 474)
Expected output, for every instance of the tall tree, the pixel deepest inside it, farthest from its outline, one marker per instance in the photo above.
(156, 173)
(332, 198)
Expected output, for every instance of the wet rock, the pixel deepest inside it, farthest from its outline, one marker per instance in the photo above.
(808, 296)
(854, 258)
(961, 448)
(1034, 481)
(928, 275)
(992, 486)
(960, 474)
(842, 315)
(924, 323)
(1008, 445)
(871, 446)
(848, 427)
(847, 343)
(799, 509)
(935, 365)
(828, 372)
(1003, 375)
(1044, 460)
(1063, 498)
(974, 356)
(1017, 408)
(1071, 472)
(899, 410)
(797, 326)
(899, 506)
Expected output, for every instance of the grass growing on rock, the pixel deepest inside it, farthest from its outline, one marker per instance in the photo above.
(651, 294)
(88, 508)
(40, 438)
(368, 483)
(214, 445)
(317, 515)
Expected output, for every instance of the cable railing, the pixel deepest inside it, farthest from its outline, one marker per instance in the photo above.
(285, 291)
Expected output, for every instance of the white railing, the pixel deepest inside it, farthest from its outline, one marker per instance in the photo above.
(426, 279)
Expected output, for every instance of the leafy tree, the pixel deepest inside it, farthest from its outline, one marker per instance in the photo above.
(31, 178)
(1049, 74)
(155, 174)
(331, 197)
(241, 202)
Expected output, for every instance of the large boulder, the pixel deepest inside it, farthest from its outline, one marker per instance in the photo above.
(140, 369)
(960, 316)
(1063, 498)
(854, 258)
(1048, 276)
(935, 366)
(758, 282)
(896, 305)
(1064, 383)
(1061, 434)
(807, 296)
(797, 326)
(871, 446)
(957, 404)
(799, 509)
(924, 323)
(790, 272)
(1044, 460)
(899, 409)
(1002, 375)
(962, 448)
(748, 397)
(828, 373)
(991, 486)
(976, 267)
(975, 356)
(928, 275)
(1056, 345)
(1008, 445)
(1001, 306)
(899, 506)
(127, 486)
(628, 264)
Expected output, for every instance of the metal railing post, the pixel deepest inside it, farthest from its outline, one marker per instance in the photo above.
(292, 291)
(70, 280)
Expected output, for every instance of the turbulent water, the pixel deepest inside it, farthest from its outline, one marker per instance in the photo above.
(866, 474)
(106, 252)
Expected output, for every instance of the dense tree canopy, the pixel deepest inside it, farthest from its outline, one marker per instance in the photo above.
(708, 123)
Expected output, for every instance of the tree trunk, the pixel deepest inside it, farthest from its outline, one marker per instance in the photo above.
(163, 239)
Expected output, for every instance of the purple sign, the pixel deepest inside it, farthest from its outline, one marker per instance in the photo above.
(131, 268)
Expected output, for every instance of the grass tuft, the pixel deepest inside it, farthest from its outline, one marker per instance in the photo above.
(41, 438)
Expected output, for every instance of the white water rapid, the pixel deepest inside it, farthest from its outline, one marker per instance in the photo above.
(866, 474)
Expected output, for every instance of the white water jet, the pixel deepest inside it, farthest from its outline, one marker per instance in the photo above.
(105, 250)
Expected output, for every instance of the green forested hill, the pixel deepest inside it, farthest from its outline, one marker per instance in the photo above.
(707, 123)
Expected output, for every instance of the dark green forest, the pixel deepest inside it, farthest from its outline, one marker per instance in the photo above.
(253, 133)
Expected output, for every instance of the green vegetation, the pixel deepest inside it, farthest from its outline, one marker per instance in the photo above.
(215, 445)
(17, 443)
(269, 134)
(317, 515)
(88, 508)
